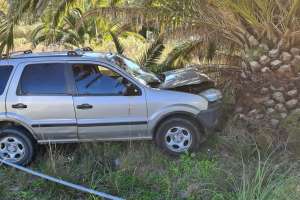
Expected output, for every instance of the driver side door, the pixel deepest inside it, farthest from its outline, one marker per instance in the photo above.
(103, 110)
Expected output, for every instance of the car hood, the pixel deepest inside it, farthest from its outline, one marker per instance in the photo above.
(183, 77)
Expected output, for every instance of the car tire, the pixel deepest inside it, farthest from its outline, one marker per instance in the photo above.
(178, 135)
(16, 146)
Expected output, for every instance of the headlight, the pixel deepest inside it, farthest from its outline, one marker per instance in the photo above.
(211, 95)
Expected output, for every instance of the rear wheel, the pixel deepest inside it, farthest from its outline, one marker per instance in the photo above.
(178, 135)
(16, 147)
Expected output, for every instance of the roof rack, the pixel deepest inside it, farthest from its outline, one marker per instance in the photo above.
(29, 51)
(19, 54)
(4, 55)
(73, 53)
(86, 49)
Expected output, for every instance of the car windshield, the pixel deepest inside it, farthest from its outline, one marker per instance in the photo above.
(141, 74)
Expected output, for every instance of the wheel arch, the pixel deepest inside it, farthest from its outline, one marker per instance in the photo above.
(17, 124)
(179, 114)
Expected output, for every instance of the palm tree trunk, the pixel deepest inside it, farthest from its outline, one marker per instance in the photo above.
(270, 95)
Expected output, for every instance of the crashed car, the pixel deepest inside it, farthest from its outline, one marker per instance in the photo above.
(80, 96)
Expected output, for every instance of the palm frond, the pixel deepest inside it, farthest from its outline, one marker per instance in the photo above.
(6, 36)
(62, 8)
(2, 14)
(133, 15)
(72, 16)
(181, 51)
(40, 6)
(72, 38)
(152, 55)
(137, 36)
(15, 11)
(118, 28)
(294, 9)
(36, 34)
(211, 50)
(118, 45)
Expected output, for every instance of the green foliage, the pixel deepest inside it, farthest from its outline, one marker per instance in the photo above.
(265, 180)
(142, 172)
(64, 33)
(211, 50)
(60, 11)
(118, 45)
(225, 22)
(6, 36)
(291, 126)
(181, 54)
(16, 10)
(152, 55)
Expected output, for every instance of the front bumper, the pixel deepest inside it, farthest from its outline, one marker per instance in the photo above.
(210, 118)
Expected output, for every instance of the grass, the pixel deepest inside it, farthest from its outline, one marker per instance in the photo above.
(138, 170)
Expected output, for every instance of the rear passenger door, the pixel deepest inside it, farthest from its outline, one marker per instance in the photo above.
(42, 97)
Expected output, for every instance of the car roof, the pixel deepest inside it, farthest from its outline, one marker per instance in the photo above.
(18, 57)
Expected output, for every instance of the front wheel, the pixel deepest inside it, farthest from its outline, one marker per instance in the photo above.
(178, 135)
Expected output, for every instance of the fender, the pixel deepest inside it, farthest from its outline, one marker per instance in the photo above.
(176, 109)
(19, 122)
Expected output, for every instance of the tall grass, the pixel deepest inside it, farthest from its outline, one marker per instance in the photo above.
(138, 170)
(267, 180)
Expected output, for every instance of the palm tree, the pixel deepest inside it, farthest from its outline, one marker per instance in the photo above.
(13, 12)
(265, 34)
(230, 22)
(64, 33)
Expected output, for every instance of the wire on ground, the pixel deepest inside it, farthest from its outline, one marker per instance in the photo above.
(62, 182)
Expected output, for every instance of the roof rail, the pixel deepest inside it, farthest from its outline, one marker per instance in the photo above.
(73, 53)
(86, 49)
(22, 54)
(4, 55)
(29, 51)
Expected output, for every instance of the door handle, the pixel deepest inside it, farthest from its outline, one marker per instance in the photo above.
(19, 106)
(84, 106)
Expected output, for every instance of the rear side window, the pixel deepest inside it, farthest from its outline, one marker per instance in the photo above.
(5, 72)
(43, 79)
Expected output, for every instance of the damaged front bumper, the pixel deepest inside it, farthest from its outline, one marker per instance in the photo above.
(210, 118)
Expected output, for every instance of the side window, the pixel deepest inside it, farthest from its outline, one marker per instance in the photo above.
(5, 72)
(43, 79)
(91, 79)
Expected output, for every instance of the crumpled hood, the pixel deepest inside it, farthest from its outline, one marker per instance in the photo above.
(183, 77)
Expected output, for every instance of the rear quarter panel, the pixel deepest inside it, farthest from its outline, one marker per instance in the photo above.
(3, 95)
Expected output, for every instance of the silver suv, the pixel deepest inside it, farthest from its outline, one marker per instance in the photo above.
(79, 96)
